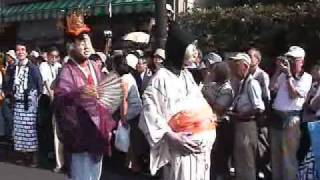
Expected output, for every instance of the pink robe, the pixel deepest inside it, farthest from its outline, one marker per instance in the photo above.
(85, 124)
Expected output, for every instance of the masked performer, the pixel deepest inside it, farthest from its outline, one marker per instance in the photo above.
(177, 121)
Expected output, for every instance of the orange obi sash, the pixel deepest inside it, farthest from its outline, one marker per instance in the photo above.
(193, 121)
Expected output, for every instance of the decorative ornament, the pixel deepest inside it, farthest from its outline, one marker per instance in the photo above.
(76, 25)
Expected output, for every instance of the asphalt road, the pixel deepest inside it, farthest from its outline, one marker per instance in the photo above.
(11, 171)
(14, 172)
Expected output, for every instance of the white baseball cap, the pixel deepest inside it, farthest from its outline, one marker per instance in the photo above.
(12, 54)
(169, 8)
(161, 53)
(296, 52)
(132, 60)
(34, 54)
(212, 58)
(241, 57)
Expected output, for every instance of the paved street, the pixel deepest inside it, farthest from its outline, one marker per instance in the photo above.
(11, 171)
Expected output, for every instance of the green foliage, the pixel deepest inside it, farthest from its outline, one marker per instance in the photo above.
(272, 28)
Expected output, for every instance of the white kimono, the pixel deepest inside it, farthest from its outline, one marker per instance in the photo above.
(166, 95)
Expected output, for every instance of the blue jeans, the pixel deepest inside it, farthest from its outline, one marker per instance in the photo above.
(86, 166)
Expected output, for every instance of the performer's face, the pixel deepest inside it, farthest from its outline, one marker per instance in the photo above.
(81, 46)
(21, 52)
(78, 52)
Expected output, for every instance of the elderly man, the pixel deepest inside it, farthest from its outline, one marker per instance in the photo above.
(49, 140)
(291, 85)
(246, 108)
(263, 160)
(176, 119)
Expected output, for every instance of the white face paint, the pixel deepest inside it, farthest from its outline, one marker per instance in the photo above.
(191, 54)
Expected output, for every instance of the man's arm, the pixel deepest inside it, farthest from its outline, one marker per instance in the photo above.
(274, 81)
(255, 97)
(293, 93)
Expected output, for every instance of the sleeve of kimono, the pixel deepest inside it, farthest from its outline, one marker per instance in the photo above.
(37, 79)
(152, 121)
(65, 96)
(65, 91)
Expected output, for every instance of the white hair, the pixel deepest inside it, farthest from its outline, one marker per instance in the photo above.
(189, 54)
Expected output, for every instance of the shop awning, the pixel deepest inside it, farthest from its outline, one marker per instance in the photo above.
(52, 9)
(60, 8)
(132, 6)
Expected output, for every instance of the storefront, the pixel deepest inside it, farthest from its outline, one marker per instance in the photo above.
(42, 23)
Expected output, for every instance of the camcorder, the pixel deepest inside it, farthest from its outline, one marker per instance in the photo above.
(284, 60)
(107, 34)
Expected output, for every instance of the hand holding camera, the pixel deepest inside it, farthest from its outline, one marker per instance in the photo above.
(284, 65)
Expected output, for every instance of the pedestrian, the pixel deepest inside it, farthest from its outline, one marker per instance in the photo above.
(7, 108)
(144, 74)
(246, 108)
(26, 85)
(176, 119)
(291, 85)
(47, 127)
(35, 57)
(158, 57)
(131, 108)
(100, 58)
(309, 150)
(85, 125)
(3, 123)
(219, 95)
(11, 58)
(208, 63)
(263, 156)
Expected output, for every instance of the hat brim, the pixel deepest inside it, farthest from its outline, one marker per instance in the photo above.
(289, 54)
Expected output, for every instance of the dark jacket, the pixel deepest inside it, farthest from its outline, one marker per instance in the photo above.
(34, 81)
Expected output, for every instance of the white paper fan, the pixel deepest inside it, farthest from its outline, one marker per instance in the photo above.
(110, 91)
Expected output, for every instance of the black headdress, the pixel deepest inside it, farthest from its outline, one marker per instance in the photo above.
(177, 42)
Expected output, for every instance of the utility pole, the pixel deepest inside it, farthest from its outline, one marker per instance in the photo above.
(161, 23)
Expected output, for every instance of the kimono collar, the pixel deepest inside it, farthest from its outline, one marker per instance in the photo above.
(91, 69)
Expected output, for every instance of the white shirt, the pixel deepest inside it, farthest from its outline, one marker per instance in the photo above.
(249, 96)
(283, 102)
(134, 100)
(263, 78)
(49, 73)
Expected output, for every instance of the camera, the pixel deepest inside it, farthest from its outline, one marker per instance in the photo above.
(284, 60)
(107, 34)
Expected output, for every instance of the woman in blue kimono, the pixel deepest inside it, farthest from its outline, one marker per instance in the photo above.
(25, 84)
